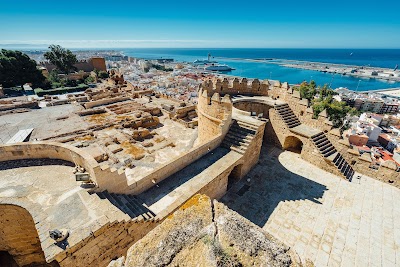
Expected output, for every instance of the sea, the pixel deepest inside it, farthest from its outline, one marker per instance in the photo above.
(236, 58)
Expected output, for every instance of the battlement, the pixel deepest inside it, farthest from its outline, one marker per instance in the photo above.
(236, 86)
(275, 89)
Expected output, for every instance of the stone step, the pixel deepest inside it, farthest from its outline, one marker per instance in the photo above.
(344, 166)
(248, 125)
(242, 136)
(240, 139)
(339, 162)
(340, 165)
(236, 142)
(327, 154)
(291, 125)
(291, 121)
(229, 143)
(350, 175)
(346, 169)
(330, 147)
(325, 146)
(285, 112)
(320, 145)
(289, 117)
(242, 129)
(240, 151)
(126, 204)
(332, 157)
(337, 158)
(281, 106)
(321, 140)
(284, 109)
(317, 135)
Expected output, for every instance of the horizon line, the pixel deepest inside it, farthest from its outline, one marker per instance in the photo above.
(45, 46)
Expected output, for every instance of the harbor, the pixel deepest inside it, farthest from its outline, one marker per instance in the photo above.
(271, 64)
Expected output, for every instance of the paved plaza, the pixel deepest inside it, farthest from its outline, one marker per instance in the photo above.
(325, 218)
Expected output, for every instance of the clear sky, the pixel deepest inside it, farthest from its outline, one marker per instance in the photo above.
(204, 23)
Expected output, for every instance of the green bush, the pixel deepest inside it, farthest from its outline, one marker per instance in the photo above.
(61, 90)
(89, 80)
(102, 74)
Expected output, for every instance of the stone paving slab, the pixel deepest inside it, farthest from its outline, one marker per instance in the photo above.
(325, 218)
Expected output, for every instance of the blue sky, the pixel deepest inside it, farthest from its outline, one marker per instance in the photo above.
(205, 23)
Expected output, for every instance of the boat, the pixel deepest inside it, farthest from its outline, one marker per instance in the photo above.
(204, 61)
(218, 67)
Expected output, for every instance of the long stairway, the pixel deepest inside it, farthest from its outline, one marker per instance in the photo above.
(287, 115)
(239, 137)
(320, 140)
(128, 204)
(327, 149)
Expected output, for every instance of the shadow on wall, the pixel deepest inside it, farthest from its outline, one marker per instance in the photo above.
(14, 164)
(257, 195)
(166, 186)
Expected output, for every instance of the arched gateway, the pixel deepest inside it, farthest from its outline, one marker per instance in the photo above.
(292, 143)
(19, 240)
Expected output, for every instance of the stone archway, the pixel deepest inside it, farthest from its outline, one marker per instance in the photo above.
(19, 240)
(235, 175)
(293, 143)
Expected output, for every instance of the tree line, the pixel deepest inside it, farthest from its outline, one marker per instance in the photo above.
(16, 69)
(321, 98)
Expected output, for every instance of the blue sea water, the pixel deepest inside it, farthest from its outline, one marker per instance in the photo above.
(387, 58)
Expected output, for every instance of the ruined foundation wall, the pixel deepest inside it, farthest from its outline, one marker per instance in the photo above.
(105, 179)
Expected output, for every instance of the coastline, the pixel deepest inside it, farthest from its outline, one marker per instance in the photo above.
(363, 72)
(292, 71)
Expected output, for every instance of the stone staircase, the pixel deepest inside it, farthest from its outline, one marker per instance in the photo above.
(287, 115)
(240, 135)
(329, 152)
(128, 204)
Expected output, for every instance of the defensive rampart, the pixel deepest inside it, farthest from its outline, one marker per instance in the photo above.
(215, 115)
(302, 109)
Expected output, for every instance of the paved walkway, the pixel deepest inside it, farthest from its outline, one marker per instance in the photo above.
(326, 219)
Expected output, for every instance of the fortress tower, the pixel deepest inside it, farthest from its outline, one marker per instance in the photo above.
(215, 115)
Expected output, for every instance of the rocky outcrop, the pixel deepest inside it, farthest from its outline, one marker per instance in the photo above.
(206, 233)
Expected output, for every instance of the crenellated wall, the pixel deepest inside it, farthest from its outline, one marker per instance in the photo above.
(215, 115)
(236, 86)
(302, 109)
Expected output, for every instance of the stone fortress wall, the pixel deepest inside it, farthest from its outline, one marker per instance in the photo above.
(106, 239)
(27, 238)
(218, 116)
(304, 112)
(215, 115)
